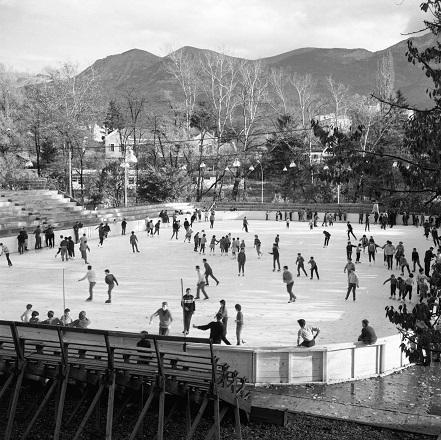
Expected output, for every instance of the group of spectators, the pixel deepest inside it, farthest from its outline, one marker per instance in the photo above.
(32, 317)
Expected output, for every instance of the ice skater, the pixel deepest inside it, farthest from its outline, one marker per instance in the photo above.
(110, 280)
(91, 277)
(134, 241)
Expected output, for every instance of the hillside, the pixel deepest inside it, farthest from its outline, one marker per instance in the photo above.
(355, 67)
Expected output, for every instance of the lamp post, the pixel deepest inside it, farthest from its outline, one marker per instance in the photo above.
(129, 159)
(261, 168)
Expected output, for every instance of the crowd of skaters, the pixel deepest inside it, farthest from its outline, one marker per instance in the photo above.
(237, 247)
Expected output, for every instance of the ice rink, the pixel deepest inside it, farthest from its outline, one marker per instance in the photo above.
(154, 275)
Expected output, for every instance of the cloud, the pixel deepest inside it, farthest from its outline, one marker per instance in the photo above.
(48, 30)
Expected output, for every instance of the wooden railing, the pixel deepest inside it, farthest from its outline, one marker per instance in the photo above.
(109, 360)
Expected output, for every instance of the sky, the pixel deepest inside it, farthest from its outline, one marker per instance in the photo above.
(38, 33)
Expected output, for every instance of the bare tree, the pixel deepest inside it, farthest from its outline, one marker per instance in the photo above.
(339, 98)
(72, 104)
(252, 97)
(219, 74)
(278, 82)
(385, 79)
(183, 66)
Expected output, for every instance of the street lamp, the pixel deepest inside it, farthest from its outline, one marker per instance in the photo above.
(261, 168)
(130, 158)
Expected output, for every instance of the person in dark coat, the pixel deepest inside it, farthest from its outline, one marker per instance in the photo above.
(368, 335)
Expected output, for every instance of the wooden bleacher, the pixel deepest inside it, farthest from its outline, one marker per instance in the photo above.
(184, 368)
(30, 208)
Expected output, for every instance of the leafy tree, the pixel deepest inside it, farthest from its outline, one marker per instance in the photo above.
(114, 117)
(420, 167)
(163, 185)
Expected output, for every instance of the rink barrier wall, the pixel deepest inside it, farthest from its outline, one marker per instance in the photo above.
(321, 364)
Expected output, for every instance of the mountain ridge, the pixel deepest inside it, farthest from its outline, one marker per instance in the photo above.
(357, 67)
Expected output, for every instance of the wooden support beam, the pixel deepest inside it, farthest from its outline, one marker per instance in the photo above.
(216, 417)
(110, 404)
(161, 413)
(213, 428)
(13, 404)
(89, 411)
(237, 420)
(198, 418)
(188, 412)
(6, 384)
(61, 400)
(40, 408)
(169, 416)
(143, 413)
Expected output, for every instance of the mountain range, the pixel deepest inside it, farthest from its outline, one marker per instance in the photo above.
(144, 71)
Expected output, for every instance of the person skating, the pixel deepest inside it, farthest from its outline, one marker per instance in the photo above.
(239, 324)
(393, 286)
(257, 245)
(224, 313)
(428, 256)
(134, 241)
(21, 243)
(202, 244)
(213, 244)
(349, 248)
(217, 330)
(176, 226)
(415, 259)
(327, 237)
(71, 248)
(349, 266)
(209, 272)
(157, 227)
(313, 268)
(101, 234)
(123, 227)
(200, 284)
(289, 281)
(189, 307)
(37, 234)
(300, 264)
(110, 280)
(352, 284)
(4, 250)
(165, 319)
(276, 257)
(76, 228)
(245, 224)
(350, 230)
(241, 259)
(91, 277)
(84, 248)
